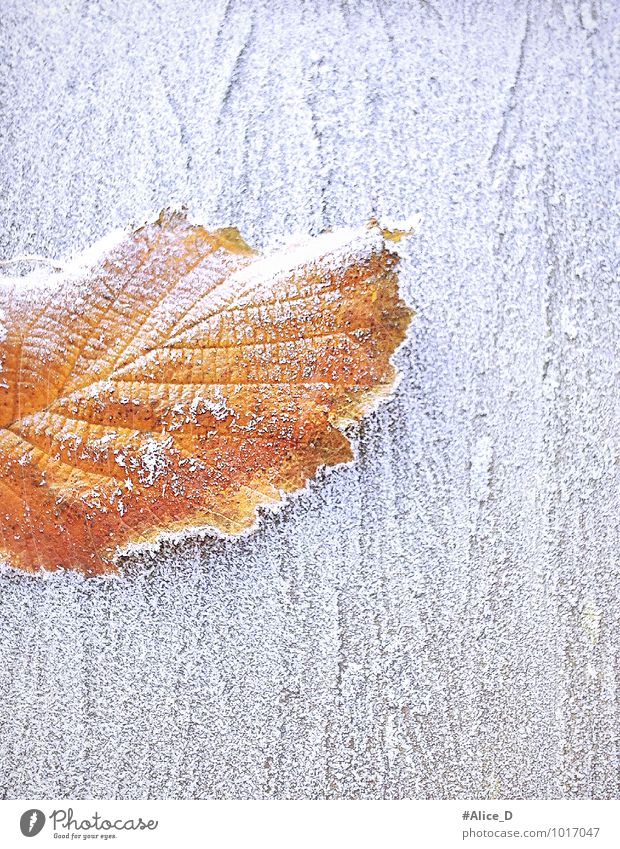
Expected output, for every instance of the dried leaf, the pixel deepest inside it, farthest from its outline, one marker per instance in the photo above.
(180, 381)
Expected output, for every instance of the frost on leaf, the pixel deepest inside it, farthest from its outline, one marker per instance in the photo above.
(180, 380)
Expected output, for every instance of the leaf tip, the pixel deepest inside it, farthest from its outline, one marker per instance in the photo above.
(394, 230)
(232, 239)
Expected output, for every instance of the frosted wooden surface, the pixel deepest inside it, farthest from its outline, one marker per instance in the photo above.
(442, 618)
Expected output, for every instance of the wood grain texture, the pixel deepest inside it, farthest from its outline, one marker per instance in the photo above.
(442, 619)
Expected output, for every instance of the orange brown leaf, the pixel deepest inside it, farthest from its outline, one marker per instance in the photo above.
(180, 381)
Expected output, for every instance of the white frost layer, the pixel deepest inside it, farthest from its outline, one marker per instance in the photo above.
(43, 278)
(327, 252)
(332, 249)
(389, 631)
